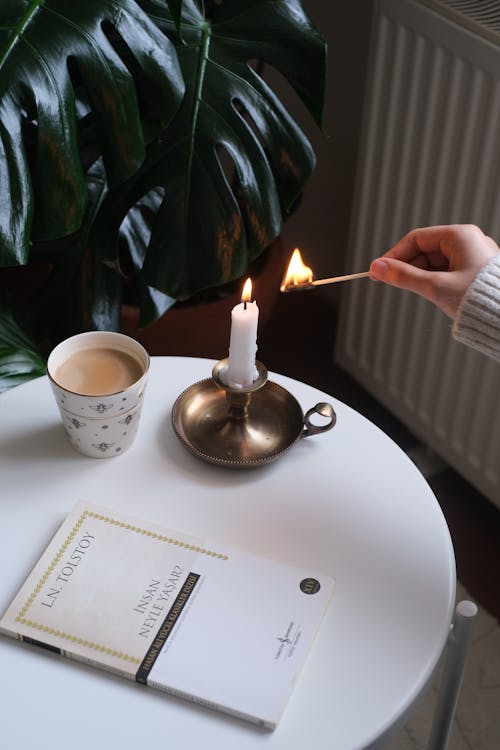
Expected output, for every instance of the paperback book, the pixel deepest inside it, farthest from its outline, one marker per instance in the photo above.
(218, 626)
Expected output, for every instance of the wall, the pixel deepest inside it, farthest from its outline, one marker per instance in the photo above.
(321, 223)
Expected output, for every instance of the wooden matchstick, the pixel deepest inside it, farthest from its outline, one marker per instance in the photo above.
(334, 279)
(301, 285)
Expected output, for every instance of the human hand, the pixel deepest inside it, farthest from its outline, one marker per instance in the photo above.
(438, 263)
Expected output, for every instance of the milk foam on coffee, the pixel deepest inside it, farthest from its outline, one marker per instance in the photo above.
(98, 371)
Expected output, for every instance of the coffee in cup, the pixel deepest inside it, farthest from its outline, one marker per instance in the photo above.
(98, 371)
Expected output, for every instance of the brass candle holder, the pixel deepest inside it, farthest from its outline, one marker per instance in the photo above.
(243, 427)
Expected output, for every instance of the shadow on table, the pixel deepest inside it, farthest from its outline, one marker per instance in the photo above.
(43, 442)
(162, 699)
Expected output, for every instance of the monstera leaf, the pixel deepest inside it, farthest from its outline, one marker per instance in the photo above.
(146, 124)
(19, 360)
(49, 51)
(135, 231)
(232, 161)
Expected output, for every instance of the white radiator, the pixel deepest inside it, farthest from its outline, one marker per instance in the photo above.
(430, 154)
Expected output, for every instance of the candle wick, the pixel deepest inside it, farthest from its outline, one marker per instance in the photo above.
(244, 305)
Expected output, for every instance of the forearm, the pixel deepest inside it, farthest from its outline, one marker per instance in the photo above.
(477, 322)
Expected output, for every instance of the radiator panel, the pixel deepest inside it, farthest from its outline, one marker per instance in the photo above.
(430, 154)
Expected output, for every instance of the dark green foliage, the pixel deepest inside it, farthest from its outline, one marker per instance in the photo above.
(140, 146)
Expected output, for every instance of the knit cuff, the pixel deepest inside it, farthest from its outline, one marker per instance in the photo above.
(477, 322)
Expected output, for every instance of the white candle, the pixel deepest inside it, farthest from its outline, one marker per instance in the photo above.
(241, 371)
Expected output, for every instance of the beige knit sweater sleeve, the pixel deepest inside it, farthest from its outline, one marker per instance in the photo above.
(477, 322)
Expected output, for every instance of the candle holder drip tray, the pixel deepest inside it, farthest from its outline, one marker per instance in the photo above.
(243, 427)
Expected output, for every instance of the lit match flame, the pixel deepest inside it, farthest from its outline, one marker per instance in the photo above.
(246, 295)
(297, 274)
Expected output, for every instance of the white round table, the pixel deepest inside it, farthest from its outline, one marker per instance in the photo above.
(348, 502)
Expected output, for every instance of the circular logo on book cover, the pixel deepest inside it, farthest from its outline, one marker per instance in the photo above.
(310, 585)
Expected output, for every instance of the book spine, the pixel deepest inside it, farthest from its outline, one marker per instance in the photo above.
(70, 655)
(27, 639)
(265, 724)
(155, 685)
(10, 633)
(152, 684)
(99, 665)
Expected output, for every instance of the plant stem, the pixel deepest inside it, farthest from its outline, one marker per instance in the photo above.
(204, 47)
(18, 30)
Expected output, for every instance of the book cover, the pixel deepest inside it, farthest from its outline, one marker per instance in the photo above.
(217, 626)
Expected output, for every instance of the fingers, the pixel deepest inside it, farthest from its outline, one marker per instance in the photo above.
(403, 275)
(438, 263)
(439, 244)
(418, 242)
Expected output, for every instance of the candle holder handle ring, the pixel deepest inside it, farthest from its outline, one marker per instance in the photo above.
(324, 410)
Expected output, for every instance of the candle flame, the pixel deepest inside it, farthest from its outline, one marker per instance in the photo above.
(246, 295)
(297, 273)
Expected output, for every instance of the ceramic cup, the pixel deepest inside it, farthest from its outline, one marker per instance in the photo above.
(100, 425)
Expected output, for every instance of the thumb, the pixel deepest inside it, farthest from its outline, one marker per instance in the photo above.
(403, 275)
